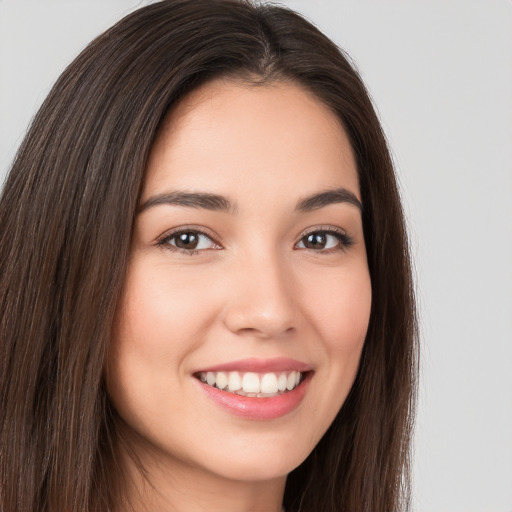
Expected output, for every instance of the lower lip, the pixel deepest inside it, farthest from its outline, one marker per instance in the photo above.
(258, 408)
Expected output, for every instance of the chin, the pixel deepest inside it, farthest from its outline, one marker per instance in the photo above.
(259, 463)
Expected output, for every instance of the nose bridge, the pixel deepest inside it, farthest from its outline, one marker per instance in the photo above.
(262, 301)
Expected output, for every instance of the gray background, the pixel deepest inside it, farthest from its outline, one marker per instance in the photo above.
(440, 73)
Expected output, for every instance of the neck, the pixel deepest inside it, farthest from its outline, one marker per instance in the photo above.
(167, 484)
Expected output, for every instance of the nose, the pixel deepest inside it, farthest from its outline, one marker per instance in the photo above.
(261, 303)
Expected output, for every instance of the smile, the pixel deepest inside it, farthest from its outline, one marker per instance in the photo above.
(252, 384)
(257, 389)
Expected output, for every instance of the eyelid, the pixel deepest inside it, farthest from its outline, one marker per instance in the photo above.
(324, 229)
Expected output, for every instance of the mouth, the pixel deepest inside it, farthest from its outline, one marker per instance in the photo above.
(252, 384)
(257, 389)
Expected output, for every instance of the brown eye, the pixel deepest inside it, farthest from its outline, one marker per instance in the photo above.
(188, 242)
(315, 241)
(325, 241)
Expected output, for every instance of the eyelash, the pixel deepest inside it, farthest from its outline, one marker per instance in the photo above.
(344, 240)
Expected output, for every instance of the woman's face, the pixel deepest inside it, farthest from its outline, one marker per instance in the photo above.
(248, 269)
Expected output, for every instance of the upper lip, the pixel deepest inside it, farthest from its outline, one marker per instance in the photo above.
(260, 366)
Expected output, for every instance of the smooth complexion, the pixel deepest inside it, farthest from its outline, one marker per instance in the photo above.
(261, 277)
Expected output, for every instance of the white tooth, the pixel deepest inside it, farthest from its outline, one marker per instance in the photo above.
(221, 380)
(202, 376)
(297, 378)
(281, 382)
(234, 381)
(210, 378)
(251, 383)
(290, 382)
(269, 383)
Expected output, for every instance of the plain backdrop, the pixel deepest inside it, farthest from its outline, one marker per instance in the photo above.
(440, 73)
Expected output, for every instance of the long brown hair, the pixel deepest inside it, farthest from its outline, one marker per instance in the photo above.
(66, 215)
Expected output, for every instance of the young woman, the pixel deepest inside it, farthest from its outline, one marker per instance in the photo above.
(205, 289)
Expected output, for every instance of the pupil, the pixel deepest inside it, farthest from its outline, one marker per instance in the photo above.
(315, 241)
(187, 241)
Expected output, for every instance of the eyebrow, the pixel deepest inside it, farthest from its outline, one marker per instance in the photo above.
(338, 195)
(199, 200)
(215, 202)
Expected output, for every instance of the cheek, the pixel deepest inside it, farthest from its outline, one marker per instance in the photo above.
(340, 314)
(340, 311)
(156, 326)
(159, 310)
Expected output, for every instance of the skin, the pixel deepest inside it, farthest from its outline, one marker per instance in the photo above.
(253, 289)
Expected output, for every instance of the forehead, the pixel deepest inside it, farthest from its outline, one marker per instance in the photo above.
(235, 139)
